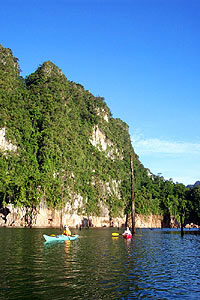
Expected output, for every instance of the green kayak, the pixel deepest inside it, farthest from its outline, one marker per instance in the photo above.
(61, 238)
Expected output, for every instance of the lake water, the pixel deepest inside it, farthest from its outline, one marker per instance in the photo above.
(154, 264)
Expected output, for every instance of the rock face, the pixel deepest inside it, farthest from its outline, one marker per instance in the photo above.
(100, 141)
(60, 147)
(45, 217)
(4, 144)
(59, 143)
(150, 221)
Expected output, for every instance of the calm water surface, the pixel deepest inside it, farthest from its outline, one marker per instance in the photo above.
(155, 264)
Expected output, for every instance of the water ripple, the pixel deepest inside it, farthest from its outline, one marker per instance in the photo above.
(159, 265)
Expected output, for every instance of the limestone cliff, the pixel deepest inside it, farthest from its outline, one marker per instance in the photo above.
(62, 155)
(43, 216)
(60, 146)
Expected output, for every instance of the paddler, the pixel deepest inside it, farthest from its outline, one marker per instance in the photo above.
(127, 231)
(67, 231)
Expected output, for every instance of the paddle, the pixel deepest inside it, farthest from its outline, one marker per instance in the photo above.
(56, 235)
(117, 234)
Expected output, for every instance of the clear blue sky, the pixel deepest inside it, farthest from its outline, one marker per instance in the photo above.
(142, 56)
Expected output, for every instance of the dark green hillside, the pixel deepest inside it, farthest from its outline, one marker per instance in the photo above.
(51, 121)
(67, 144)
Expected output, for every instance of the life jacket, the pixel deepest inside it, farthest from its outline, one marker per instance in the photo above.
(67, 232)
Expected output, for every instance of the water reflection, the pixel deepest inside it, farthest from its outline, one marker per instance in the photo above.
(153, 264)
(67, 247)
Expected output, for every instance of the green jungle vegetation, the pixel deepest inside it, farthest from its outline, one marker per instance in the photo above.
(51, 121)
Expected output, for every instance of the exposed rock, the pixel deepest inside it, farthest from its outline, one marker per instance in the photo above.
(191, 225)
(100, 141)
(4, 144)
(3, 214)
(45, 217)
(103, 113)
(150, 221)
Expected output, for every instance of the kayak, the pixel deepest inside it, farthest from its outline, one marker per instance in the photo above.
(60, 238)
(127, 236)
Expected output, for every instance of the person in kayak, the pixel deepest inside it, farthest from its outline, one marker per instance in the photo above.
(67, 231)
(127, 231)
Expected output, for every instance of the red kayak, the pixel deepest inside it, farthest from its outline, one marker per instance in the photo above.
(127, 236)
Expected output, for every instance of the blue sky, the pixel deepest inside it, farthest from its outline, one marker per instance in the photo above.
(142, 56)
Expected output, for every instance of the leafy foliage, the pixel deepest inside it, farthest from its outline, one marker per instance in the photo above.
(52, 121)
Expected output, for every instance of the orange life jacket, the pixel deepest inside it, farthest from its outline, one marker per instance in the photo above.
(67, 232)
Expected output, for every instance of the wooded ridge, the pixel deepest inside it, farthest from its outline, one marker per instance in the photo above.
(59, 144)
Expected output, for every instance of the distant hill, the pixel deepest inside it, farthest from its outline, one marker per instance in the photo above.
(193, 185)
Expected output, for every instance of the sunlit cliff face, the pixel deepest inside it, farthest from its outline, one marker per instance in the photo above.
(100, 141)
(4, 144)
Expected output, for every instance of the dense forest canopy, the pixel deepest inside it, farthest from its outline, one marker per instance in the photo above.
(64, 142)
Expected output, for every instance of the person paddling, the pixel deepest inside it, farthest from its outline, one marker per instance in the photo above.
(67, 231)
(127, 232)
